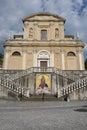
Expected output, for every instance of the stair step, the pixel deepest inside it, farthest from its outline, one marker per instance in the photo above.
(40, 98)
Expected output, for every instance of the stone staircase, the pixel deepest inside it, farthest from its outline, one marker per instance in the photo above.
(43, 98)
(9, 83)
(79, 84)
(13, 87)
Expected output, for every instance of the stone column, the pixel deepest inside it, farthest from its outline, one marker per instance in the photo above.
(6, 58)
(35, 30)
(80, 58)
(62, 59)
(24, 60)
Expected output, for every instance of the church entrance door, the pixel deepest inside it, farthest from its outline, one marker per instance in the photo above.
(43, 64)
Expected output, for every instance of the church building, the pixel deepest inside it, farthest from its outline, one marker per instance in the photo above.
(44, 63)
(43, 44)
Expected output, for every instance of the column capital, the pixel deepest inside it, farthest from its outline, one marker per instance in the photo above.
(51, 24)
(7, 50)
(30, 51)
(62, 51)
(57, 51)
(79, 50)
(24, 50)
(35, 23)
(52, 51)
(34, 50)
(26, 24)
(61, 24)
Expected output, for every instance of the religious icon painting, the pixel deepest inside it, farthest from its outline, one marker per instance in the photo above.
(43, 84)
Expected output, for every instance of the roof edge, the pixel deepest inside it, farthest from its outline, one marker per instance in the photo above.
(44, 13)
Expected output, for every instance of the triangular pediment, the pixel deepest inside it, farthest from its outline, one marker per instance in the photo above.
(44, 17)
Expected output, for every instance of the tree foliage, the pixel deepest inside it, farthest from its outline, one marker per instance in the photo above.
(1, 59)
(86, 63)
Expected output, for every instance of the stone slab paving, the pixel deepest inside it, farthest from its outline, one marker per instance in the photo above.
(56, 115)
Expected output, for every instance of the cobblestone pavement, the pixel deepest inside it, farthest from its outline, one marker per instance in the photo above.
(16, 115)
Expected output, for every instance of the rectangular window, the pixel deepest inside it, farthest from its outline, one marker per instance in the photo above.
(43, 34)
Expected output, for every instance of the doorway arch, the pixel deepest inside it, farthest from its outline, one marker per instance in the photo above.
(43, 59)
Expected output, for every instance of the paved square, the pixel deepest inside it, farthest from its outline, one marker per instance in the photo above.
(53, 115)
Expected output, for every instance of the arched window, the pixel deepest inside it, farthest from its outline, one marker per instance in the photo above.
(71, 54)
(43, 34)
(16, 53)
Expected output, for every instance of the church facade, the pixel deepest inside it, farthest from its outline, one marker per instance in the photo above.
(44, 62)
(43, 44)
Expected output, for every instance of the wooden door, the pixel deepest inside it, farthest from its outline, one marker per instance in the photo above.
(43, 64)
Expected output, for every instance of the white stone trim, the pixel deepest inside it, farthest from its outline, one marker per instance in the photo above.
(43, 58)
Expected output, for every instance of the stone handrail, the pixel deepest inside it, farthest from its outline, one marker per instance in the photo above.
(38, 69)
(12, 86)
(81, 83)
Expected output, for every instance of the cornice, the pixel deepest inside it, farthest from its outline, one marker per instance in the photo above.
(60, 43)
(44, 14)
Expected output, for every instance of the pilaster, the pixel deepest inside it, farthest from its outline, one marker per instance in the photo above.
(62, 52)
(34, 58)
(52, 31)
(52, 58)
(6, 58)
(24, 59)
(61, 30)
(80, 59)
(35, 30)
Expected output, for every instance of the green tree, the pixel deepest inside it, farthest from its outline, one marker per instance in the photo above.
(1, 59)
(86, 63)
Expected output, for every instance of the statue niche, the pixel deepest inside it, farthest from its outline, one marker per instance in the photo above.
(31, 33)
(56, 33)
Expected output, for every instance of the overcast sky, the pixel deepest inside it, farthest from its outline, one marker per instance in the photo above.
(13, 11)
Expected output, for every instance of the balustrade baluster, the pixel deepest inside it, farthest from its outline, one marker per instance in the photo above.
(73, 87)
(69, 89)
(84, 83)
